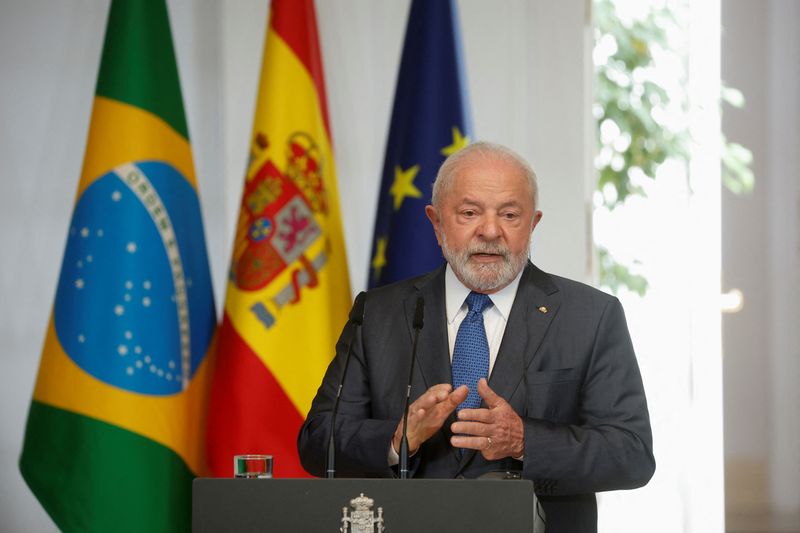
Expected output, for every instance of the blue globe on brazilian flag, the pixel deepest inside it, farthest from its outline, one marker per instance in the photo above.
(125, 289)
(115, 431)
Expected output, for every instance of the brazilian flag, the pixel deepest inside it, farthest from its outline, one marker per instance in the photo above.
(116, 425)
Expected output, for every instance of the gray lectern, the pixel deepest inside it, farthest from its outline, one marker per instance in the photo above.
(391, 505)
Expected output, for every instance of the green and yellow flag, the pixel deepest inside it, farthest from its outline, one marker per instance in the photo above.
(116, 427)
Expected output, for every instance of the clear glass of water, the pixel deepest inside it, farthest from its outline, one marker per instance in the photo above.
(252, 466)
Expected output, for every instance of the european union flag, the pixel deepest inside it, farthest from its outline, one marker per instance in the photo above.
(429, 122)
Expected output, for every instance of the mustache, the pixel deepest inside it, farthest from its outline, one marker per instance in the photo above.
(487, 248)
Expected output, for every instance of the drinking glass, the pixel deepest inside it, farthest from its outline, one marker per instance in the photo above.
(252, 466)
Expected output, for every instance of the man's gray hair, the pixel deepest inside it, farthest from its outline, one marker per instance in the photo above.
(485, 150)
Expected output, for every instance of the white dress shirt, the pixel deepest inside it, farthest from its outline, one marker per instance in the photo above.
(495, 317)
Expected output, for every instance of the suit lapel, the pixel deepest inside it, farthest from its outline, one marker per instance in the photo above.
(535, 305)
(433, 355)
(433, 352)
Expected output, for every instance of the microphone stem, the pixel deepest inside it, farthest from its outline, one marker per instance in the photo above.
(330, 460)
(330, 463)
(404, 441)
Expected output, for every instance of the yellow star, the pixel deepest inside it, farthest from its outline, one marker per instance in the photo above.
(403, 185)
(379, 261)
(459, 142)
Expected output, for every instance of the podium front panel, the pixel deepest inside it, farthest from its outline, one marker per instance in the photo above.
(316, 505)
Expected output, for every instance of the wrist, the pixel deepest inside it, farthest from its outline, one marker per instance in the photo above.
(519, 452)
(412, 449)
(397, 439)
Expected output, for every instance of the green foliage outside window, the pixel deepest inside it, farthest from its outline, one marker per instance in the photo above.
(640, 123)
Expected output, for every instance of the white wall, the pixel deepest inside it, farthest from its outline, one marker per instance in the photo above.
(761, 256)
(784, 257)
(49, 55)
(526, 65)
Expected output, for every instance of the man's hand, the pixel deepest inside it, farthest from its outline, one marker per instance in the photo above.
(427, 414)
(497, 432)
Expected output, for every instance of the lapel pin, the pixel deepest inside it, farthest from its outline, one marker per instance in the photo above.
(542, 309)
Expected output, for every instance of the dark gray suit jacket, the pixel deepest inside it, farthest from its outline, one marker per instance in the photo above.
(566, 365)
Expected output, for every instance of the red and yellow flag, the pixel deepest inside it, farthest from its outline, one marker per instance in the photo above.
(288, 291)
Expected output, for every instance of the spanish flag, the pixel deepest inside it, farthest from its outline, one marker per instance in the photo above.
(115, 429)
(288, 292)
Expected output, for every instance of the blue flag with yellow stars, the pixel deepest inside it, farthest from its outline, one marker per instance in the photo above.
(429, 122)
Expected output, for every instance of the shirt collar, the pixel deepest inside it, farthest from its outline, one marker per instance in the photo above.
(456, 293)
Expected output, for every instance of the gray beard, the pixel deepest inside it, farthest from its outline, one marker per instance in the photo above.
(485, 277)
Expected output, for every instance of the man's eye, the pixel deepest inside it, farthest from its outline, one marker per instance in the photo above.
(510, 216)
(468, 213)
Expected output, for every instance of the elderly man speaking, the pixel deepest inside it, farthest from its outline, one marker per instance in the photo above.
(517, 369)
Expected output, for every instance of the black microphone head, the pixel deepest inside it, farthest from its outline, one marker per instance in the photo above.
(419, 311)
(357, 312)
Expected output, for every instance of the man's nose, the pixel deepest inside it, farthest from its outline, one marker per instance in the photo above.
(489, 227)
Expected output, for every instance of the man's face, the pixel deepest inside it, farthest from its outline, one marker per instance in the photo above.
(484, 223)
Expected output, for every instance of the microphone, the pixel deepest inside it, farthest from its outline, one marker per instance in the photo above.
(417, 325)
(356, 319)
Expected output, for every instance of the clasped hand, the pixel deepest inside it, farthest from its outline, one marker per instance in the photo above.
(496, 431)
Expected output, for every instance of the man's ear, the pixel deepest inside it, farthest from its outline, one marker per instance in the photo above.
(537, 216)
(433, 216)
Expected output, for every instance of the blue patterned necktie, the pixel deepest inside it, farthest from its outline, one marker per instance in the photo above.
(471, 351)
